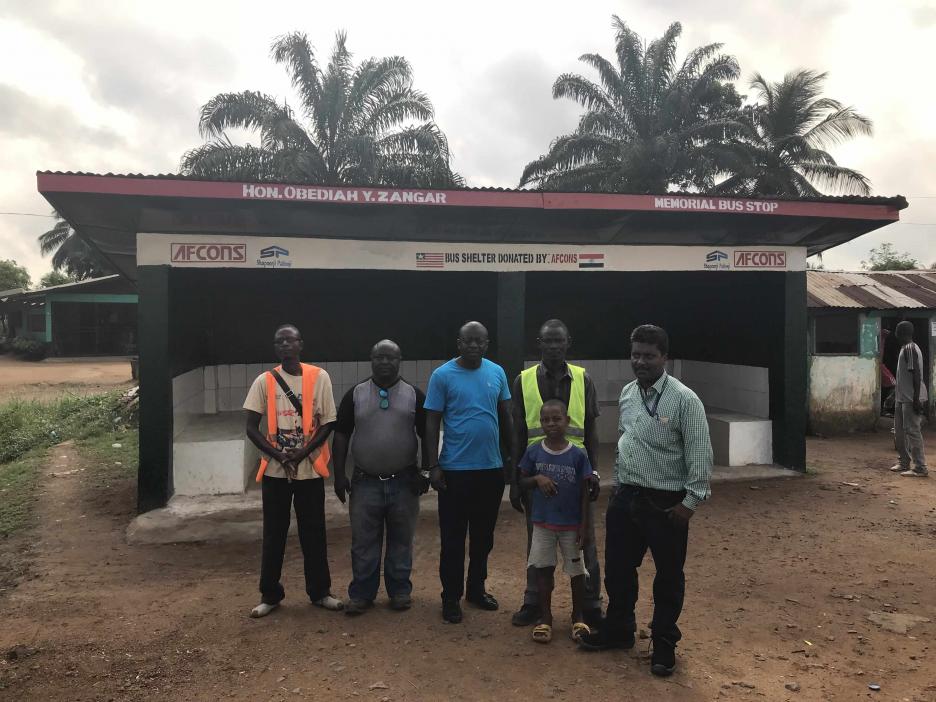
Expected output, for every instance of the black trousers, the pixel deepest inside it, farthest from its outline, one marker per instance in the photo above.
(308, 496)
(636, 521)
(467, 507)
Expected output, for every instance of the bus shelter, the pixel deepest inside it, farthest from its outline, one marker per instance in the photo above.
(219, 265)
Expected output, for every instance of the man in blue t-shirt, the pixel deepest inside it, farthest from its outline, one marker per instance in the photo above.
(470, 394)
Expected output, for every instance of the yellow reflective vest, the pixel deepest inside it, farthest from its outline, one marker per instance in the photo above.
(533, 402)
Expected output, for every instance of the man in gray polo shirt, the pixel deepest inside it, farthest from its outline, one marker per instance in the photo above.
(384, 415)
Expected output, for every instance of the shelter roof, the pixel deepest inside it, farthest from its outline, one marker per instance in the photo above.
(884, 290)
(108, 210)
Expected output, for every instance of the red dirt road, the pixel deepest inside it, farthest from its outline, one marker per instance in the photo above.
(50, 379)
(781, 576)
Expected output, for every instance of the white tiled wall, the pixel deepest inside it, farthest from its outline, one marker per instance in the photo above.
(741, 389)
(222, 388)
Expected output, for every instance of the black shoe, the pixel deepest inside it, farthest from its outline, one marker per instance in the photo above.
(601, 641)
(483, 600)
(401, 603)
(662, 657)
(526, 615)
(593, 618)
(451, 611)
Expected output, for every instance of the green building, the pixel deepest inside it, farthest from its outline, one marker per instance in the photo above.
(94, 317)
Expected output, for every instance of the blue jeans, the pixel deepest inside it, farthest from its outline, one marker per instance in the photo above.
(375, 505)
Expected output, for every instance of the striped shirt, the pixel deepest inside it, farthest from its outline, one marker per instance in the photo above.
(670, 450)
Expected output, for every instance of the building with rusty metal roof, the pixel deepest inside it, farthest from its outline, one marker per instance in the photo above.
(852, 348)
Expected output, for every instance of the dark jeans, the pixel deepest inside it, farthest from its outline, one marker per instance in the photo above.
(592, 582)
(375, 505)
(467, 507)
(636, 520)
(308, 496)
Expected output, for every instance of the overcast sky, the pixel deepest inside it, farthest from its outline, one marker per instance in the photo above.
(116, 87)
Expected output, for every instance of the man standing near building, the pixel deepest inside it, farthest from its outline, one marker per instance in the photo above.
(908, 409)
(300, 413)
(664, 464)
(470, 394)
(385, 416)
(554, 379)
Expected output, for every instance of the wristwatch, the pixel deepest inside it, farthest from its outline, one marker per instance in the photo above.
(596, 475)
(424, 474)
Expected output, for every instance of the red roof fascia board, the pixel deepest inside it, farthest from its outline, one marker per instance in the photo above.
(185, 188)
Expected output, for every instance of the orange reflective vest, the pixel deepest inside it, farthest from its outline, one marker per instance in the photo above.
(309, 378)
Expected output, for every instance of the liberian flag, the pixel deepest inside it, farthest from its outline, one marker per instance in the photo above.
(430, 260)
(591, 260)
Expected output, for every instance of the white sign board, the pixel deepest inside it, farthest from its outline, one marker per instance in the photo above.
(219, 251)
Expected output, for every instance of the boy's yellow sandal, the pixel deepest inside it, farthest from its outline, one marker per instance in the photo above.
(542, 633)
(579, 628)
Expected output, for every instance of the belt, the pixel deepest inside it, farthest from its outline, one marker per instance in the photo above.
(360, 473)
(653, 492)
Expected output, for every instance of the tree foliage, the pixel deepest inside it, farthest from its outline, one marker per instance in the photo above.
(647, 121)
(781, 150)
(886, 258)
(53, 278)
(13, 275)
(70, 254)
(651, 124)
(362, 124)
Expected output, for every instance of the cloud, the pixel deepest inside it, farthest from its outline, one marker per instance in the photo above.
(24, 116)
(505, 117)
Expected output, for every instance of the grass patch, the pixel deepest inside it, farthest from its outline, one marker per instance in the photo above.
(18, 482)
(28, 428)
(111, 462)
(29, 424)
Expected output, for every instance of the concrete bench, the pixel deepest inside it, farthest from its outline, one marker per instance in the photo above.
(211, 457)
(739, 439)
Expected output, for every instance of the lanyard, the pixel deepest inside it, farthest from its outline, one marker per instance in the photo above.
(651, 408)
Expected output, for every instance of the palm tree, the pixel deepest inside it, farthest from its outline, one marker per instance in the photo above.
(70, 253)
(359, 125)
(646, 124)
(781, 150)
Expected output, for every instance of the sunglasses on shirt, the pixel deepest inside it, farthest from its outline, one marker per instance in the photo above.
(384, 398)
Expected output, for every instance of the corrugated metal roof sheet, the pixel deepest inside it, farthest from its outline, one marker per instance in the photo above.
(873, 291)
(897, 201)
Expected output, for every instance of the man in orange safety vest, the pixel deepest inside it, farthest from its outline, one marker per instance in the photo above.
(296, 399)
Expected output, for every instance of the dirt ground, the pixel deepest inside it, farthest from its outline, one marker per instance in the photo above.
(52, 378)
(782, 578)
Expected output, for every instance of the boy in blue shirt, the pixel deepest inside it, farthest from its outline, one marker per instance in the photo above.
(559, 472)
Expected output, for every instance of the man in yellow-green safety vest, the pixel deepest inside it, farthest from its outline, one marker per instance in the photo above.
(554, 378)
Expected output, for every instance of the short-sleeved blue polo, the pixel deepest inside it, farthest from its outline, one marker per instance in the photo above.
(467, 399)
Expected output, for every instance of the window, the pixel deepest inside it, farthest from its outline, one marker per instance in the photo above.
(836, 334)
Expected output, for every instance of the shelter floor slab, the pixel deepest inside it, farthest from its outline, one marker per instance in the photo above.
(226, 518)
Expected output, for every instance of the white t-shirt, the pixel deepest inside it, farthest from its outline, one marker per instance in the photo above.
(288, 421)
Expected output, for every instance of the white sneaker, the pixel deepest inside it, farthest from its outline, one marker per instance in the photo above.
(262, 609)
(897, 469)
(914, 473)
(330, 602)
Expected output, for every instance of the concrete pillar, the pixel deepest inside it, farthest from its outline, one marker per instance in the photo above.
(511, 307)
(788, 376)
(154, 483)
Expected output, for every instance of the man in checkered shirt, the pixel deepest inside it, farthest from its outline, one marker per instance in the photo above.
(663, 468)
